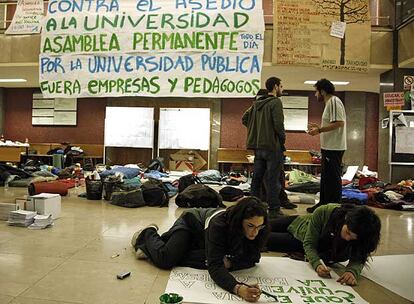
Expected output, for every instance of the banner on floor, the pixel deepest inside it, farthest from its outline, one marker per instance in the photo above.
(290, 281)
(151, 48)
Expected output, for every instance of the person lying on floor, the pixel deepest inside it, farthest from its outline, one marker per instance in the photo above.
(220, 240)
(333, 233)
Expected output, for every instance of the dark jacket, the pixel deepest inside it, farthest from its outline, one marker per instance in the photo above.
(241, 252)
(265, 124)
(217, 244)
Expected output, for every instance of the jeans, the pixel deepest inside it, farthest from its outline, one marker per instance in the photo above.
(176, 250)
(331, 181)
(280, 239)
(270, 161)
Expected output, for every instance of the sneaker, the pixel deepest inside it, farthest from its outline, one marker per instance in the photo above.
(275, 213)
(140, 254)
(288, 205)
(136, 235)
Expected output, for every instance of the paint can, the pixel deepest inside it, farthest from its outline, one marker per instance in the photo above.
(174, 298)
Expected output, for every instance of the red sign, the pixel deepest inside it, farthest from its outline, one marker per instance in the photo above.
(408, 81)
(394, 99)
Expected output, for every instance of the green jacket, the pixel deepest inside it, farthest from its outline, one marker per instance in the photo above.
(265, 124)
(309, 228)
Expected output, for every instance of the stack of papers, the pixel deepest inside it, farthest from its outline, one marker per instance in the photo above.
(22, 218)
(42, 221)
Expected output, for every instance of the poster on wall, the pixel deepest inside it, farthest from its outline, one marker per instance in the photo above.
(296, 33)
(151, 48)
(27, 18)
(352, 52)
(303, 28)
(409, 92)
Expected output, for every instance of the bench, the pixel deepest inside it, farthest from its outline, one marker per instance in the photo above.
(229, 158)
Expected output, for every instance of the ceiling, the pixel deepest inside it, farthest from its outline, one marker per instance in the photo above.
(292, 77)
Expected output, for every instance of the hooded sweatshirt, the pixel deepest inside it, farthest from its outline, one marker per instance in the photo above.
(265, 124)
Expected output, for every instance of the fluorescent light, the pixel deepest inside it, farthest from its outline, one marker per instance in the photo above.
(333, 82)
(387, 84)
(12, 80)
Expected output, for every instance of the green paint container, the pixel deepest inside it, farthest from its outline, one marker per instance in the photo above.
(174, 298)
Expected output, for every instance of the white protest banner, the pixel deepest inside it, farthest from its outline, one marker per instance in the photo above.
(27, 18)
(291, 281)
(152, 48)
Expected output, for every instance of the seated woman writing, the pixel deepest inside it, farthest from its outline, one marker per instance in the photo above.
(333, 233)
(220, 240)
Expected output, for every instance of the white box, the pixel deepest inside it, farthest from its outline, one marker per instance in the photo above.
(45, 203)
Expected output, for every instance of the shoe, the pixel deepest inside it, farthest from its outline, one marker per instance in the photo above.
(288, 205)
(275, 213)
(136, 235)
(313, 208)
(140, 254)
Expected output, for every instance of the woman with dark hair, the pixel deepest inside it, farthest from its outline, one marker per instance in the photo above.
(333, 233)
(220, 240)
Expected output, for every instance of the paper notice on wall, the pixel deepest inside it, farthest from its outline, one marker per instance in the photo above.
(338, 29)
(403, 140)
(394, 99)
(27, 18)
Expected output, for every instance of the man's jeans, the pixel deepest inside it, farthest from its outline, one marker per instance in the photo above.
(270, 161)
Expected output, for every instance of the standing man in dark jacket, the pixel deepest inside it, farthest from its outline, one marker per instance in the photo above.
(266, 136)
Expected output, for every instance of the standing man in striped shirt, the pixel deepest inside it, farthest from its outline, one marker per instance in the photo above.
(333, 143)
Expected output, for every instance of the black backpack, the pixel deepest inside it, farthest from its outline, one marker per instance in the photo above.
(199, 196)
(155, 193)
(231, 194)
(129, 199)
(187, 180)
(156, 164)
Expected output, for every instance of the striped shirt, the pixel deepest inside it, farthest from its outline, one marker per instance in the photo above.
(335, 139)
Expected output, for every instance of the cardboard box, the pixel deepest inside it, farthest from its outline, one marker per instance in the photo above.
(185, 160)
(5, 209)
(45, 203)
(21, 202)
(181, 165)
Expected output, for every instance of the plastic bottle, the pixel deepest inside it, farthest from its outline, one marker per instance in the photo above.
(6, 185)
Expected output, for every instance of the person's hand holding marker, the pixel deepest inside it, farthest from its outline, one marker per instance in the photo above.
(249, 293)
(323, 270)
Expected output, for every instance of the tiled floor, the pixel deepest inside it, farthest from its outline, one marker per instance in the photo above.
(72, 262)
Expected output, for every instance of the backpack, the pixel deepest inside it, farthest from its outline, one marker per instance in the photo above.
(128, 199)
(187, 180)
(231, 194)
(156, 164)
(155, 193)
(199, 196)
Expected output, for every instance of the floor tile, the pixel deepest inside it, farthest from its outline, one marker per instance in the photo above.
(18, 272)
(95, 282)
(5, 299)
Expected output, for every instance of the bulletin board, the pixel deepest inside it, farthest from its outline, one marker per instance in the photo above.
(57, 111)
(295, 109)
(401, 148)
(129, 127)
(184, 128)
